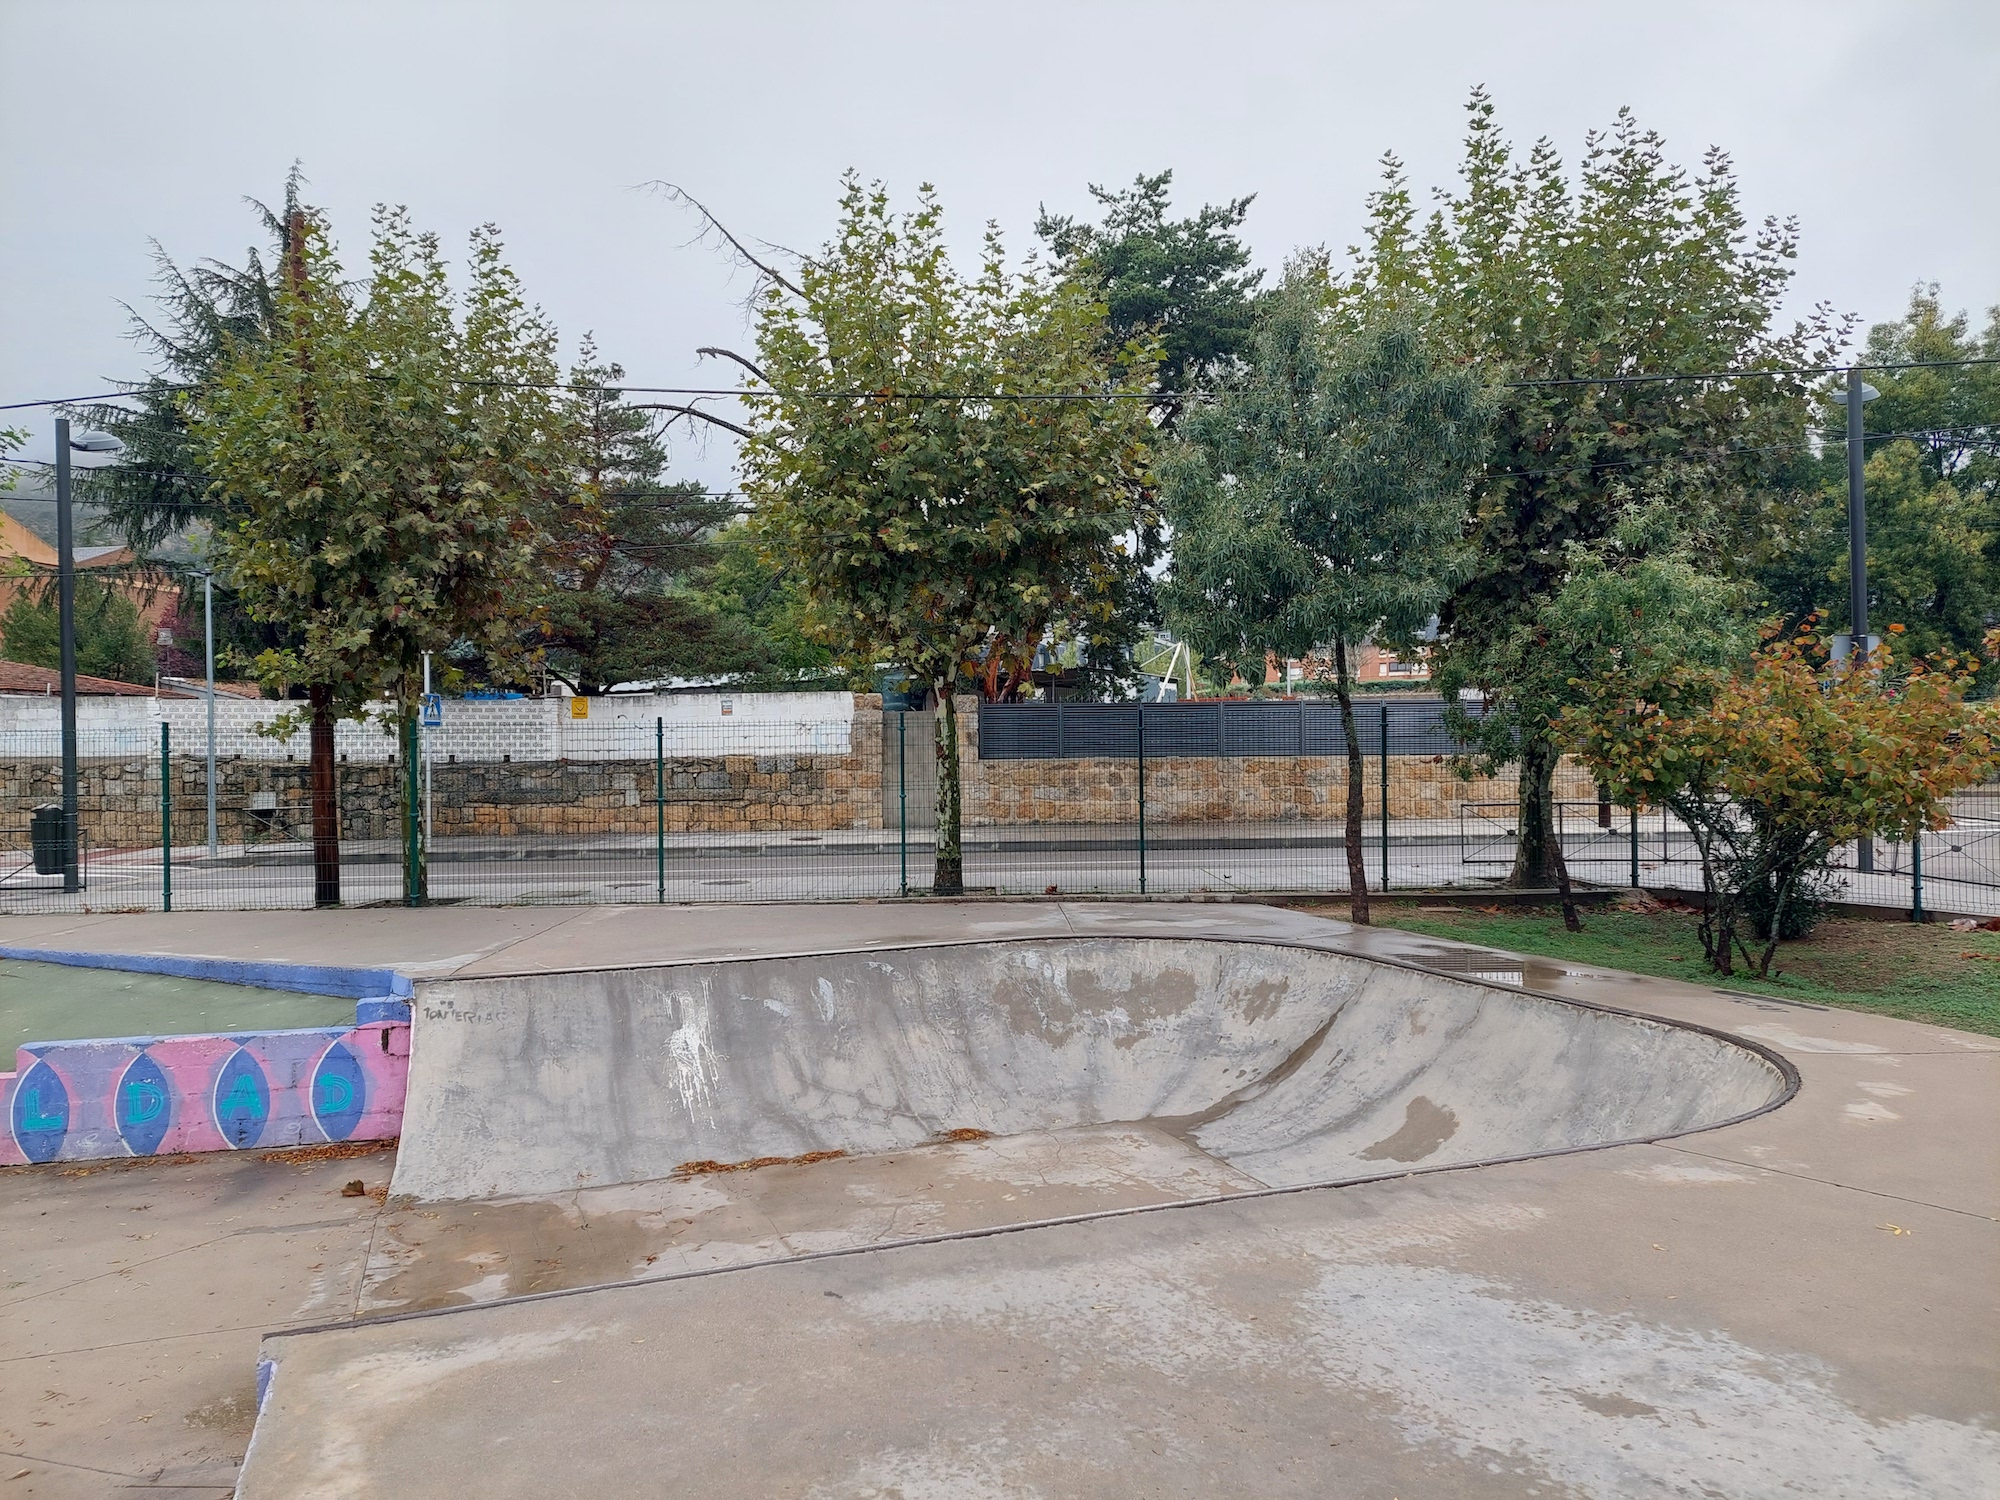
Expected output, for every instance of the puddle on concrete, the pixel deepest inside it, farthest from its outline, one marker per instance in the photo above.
(1493, 968)
(450, 1254)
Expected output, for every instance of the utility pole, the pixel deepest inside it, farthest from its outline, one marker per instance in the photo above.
(66, 612)
(1857, 396)
(1857, 514)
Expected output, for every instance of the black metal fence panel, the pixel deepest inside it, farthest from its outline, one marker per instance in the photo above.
(1247, 727)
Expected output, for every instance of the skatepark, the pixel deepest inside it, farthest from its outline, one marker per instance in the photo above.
(1032, 1198)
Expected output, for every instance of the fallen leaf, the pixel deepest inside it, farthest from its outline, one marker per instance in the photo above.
(1895, 1229)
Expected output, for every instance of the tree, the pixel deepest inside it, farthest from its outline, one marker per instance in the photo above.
(1639, 268)
(1932, 480)
(767, 601)
(10, 439)
(378, 458)
(209, 313)
(1633, 604)
(1773, 767)
(938, 524)
(110, 636)
(1320, 502)
(625, 553)
(1183, 282)
(155, 492)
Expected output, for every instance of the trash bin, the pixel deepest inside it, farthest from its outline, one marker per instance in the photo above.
(52, 848)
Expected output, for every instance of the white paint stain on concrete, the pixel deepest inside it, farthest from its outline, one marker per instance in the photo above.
(1682, 1173)
(1613, 1405)
(974, 1472)
(691, 1056)
(1869, 1112)
(1784, 1037)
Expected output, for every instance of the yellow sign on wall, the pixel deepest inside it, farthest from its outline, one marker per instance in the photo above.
(579, 708)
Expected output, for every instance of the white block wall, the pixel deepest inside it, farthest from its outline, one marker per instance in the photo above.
(515, 729)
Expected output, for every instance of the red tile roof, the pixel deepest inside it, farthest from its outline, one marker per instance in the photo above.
(19, 677)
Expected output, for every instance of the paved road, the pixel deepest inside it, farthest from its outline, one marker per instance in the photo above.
(848, 866)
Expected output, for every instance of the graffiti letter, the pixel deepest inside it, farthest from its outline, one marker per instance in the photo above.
(242, 1102)
(335, 1094)
(143, 1102)
(32, 1117)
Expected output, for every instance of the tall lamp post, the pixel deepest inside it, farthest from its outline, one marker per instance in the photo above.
(208, 648)
(89, 442)
(1855, 398)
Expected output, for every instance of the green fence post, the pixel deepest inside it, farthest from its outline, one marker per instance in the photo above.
(1917, 877)
(166, 820)
(1635, 846)
(1384, 752)
(413, 872)
(1142, 798)
(903, 799)
(660, 809)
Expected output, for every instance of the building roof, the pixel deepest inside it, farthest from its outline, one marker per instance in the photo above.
(17, 677)
(16, 540)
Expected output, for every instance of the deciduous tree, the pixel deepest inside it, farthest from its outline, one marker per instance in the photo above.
(378, 457)
(1320, 502)
(1772, 768)
(1547, 284)
(939, 523)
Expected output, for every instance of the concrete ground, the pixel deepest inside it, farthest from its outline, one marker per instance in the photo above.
(132, 1299)
(1801, 1304)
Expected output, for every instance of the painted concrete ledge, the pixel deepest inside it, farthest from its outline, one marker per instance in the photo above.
(163, 1095)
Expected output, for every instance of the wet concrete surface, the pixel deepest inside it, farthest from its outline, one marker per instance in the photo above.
(1628, 1323)
(1803, 1303)
(431, 1255)
(132, 1298)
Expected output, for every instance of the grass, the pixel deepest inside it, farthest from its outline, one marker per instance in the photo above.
(1915, 973)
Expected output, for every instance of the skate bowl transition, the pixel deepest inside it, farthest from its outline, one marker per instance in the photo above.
(1290, 1064)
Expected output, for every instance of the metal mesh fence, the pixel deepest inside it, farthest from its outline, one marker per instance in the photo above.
(1163, 799)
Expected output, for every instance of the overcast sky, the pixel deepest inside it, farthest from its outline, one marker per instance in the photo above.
(124, 122)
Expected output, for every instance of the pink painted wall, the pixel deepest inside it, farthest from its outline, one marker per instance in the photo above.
(154, 1096)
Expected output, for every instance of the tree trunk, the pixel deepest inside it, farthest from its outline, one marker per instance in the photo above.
(1535, 852)
(1357, 772)
(949, 879)
(1571, 921)
(325, 802)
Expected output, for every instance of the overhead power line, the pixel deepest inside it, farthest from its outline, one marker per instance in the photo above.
(719, 392)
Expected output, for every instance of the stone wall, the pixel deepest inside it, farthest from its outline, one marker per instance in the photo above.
(265, 801)
(1220, 789)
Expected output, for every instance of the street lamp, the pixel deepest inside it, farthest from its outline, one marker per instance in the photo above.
(87, 442)
(1855, 398)
(208, 647)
